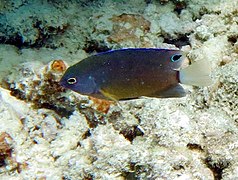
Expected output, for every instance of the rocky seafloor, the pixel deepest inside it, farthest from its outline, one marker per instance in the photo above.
(47, 132)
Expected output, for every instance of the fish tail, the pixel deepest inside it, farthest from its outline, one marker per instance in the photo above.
(197, 74)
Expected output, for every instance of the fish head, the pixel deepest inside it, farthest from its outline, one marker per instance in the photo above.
(82, 83)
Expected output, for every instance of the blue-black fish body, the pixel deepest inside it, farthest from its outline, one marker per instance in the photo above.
(127, 74)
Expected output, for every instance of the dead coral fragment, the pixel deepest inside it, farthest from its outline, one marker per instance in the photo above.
(58, 65)
(100, 104)
(39, 84)
(6, 151)
(129, 27)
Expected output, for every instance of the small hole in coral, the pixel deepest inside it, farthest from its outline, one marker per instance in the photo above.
(232, 39)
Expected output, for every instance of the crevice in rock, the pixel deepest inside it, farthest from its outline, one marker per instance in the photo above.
(95, 46)
(182, 40)
(131, 132)
(216, 167)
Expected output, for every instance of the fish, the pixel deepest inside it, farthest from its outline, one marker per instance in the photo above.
(132, 73)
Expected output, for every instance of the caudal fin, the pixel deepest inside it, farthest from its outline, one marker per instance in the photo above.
(197, 74)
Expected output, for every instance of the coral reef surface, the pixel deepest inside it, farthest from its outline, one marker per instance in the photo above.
(47, 132)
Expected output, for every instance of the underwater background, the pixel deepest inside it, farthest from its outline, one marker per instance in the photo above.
(48, 132)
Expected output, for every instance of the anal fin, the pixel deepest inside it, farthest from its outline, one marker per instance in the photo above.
(176, 91)
(108, 95)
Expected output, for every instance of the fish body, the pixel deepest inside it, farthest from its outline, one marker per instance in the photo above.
(127, 74)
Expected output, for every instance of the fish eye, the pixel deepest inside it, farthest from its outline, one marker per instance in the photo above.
(72, 80)
(175, 57)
